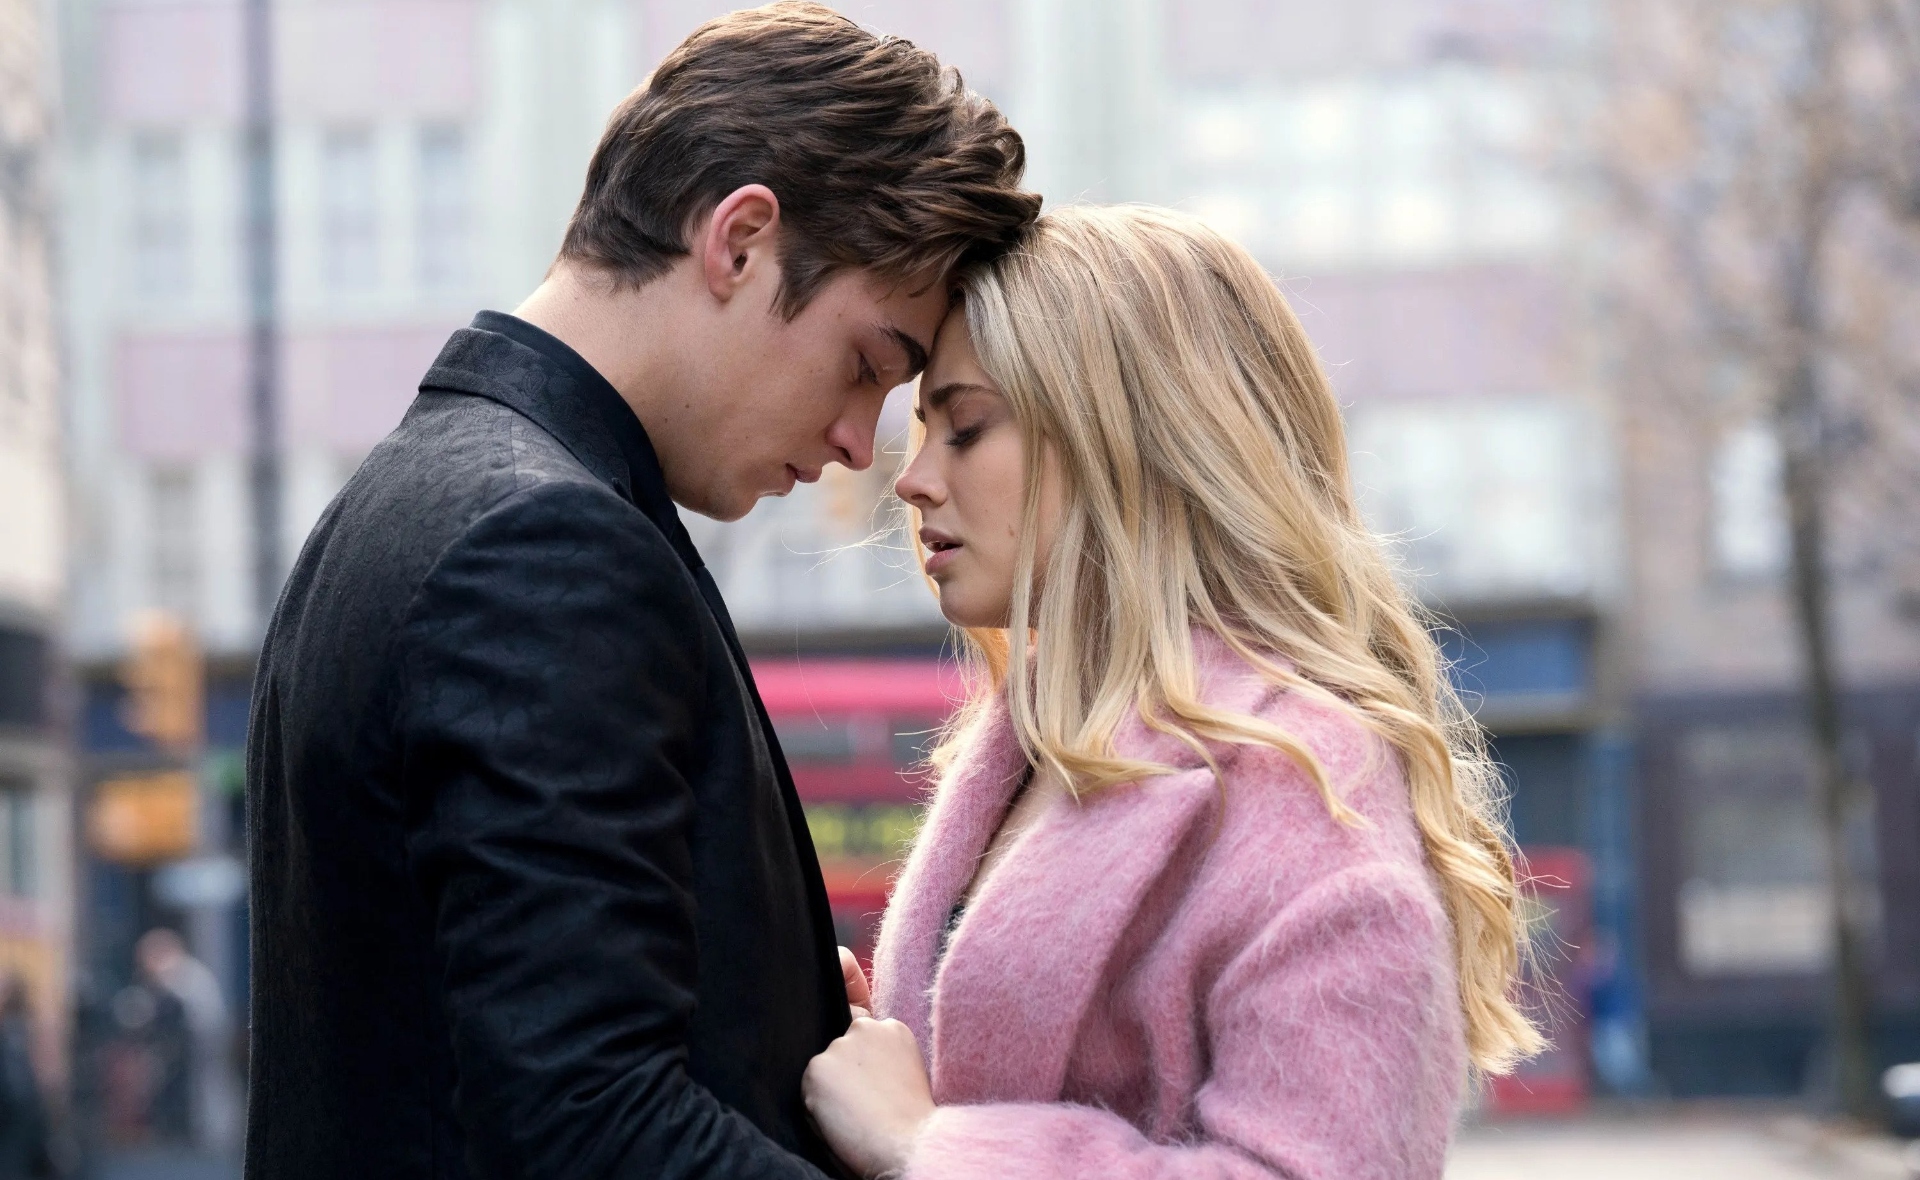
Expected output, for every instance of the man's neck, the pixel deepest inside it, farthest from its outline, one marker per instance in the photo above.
(622, 333)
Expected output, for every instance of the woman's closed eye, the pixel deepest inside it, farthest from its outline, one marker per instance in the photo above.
(961, 437)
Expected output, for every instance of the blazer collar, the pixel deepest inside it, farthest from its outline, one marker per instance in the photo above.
(1032, 948)
(507, 360)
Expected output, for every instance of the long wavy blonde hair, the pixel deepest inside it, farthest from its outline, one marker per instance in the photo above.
(1204, 469)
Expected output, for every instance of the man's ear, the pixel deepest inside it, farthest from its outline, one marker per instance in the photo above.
(739, 239)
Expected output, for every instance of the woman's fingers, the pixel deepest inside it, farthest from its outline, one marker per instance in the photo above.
(859, 993)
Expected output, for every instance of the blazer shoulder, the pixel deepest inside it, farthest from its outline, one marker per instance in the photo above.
(464, 457)
(500, 508)
(559, 525)
(481, 437)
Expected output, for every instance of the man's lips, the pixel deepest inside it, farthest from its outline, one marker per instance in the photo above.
(797, 475)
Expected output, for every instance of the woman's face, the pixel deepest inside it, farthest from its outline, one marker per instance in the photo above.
(968, 481)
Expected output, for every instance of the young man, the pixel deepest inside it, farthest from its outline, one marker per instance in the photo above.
(532, 892)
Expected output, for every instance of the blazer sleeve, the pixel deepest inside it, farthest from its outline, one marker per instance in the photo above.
(1335, 1055)
(550, 670)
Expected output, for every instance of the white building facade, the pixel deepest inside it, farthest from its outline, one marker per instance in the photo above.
(35, 868)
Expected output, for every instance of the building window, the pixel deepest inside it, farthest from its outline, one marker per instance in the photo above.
(1753, 898)
(1749, 516)
(18, 867)
(442, 211)
(173, 517)
(161, 216)
(23, 679)
(350, 227)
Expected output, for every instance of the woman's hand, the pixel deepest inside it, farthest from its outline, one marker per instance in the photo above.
(870, 1095)
(859, 993)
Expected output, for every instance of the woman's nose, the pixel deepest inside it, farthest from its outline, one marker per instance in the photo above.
(917, 486)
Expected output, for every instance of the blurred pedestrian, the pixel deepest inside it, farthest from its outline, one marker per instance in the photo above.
(1214, 884)
(516, 814)
(209, 1094)
(24, 1141)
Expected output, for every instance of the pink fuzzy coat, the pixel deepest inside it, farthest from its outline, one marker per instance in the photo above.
(1175, 980)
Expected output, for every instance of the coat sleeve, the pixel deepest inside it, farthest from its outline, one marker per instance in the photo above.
(1335, 1054)
(551, 667)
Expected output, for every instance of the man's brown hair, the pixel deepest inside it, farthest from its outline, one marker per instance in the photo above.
(881, 158)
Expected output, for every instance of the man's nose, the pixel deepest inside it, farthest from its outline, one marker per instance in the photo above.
(852, 437)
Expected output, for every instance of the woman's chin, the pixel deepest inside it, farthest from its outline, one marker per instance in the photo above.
(966, 614)
(958, 618)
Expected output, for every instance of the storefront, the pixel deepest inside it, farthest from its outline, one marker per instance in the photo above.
(1737, 921)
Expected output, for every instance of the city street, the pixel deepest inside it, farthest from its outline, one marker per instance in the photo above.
(1514, 391)
(1678, 1145)
(1675, 1144)
(165, 1165)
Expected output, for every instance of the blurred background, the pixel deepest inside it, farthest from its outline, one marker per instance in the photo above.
(1618, 296)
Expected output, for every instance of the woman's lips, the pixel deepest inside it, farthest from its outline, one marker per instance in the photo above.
(940, 549)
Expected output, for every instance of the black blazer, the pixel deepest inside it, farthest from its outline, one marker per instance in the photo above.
(532, 894)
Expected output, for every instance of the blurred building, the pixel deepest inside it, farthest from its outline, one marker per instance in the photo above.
(1401, 165)
(1738, 921)
(35, 870)
(426, 154)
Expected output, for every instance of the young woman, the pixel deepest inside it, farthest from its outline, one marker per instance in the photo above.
(1212, 884)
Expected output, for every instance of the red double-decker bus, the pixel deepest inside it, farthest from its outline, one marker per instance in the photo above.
(856, 733)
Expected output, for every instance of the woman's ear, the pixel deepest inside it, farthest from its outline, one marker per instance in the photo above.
(739, 238)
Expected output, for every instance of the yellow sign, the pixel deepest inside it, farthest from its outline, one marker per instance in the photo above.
(875, 831)
(141, 819)
(166, 684)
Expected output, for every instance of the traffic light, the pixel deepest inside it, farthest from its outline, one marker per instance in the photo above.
(165, 679)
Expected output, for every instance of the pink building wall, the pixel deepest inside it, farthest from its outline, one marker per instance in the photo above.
(349, 59)
(182, 396)
(1479, 331)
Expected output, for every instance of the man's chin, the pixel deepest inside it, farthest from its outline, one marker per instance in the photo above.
(724, 507)
(725, 514)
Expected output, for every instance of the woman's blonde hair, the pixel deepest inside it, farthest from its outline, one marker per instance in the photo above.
(1204, 470)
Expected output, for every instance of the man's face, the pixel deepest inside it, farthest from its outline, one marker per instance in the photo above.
(773, 401)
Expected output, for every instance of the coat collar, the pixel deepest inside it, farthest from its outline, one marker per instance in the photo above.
(506, 359)
(1027, 958)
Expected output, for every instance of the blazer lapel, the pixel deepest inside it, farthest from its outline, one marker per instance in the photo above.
(487, 364)
(484, 361)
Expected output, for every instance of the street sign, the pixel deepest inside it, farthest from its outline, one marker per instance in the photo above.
(145, 818)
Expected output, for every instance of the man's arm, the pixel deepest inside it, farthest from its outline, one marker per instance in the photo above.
(551, 667)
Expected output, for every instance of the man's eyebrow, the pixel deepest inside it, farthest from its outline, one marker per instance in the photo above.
(916, 351)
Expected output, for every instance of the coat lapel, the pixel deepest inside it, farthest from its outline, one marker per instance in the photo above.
(966, 811)
(1034, 946)
(997, 1016)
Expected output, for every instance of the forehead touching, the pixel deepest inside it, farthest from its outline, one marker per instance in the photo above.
(913, 354)
(899, 320)
(955, 373)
